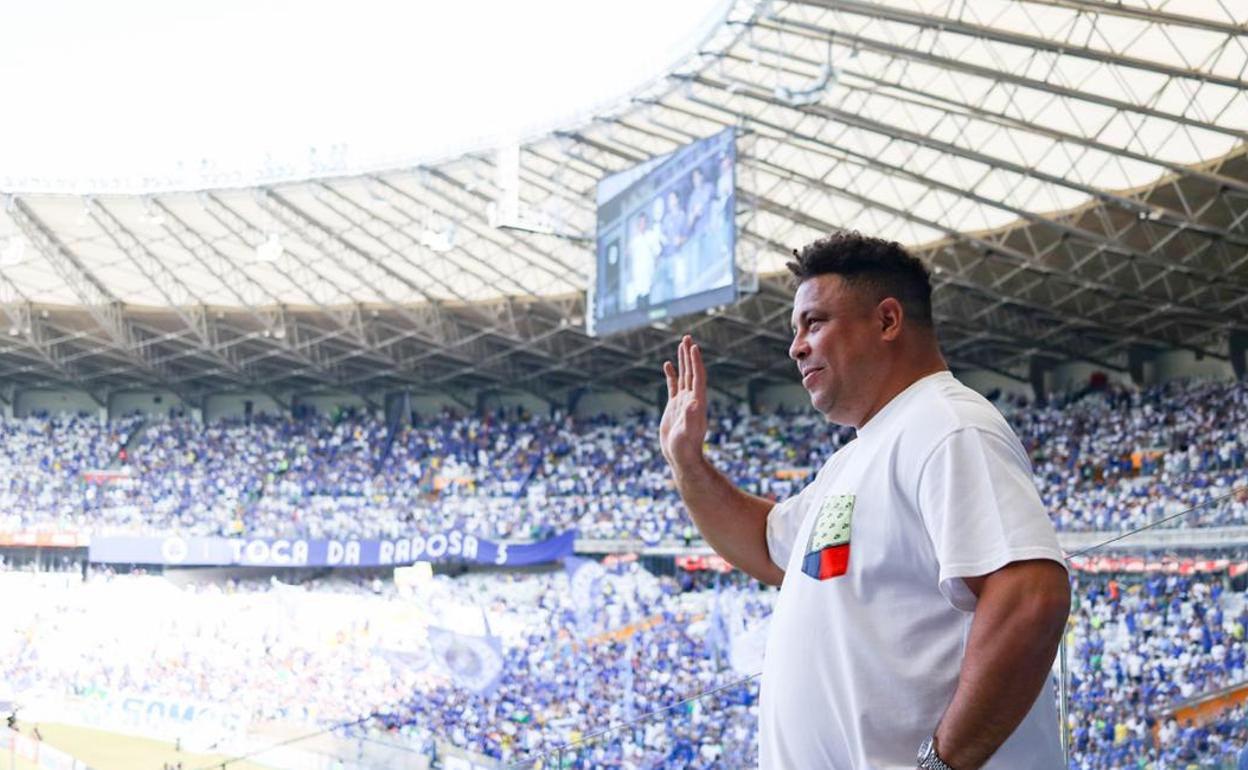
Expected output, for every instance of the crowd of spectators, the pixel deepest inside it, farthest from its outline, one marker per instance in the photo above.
(338, 649)
(1123, 459)
(1107, 461)
(606, 683)
(593, 682)
(1138, 647)
(499, 476)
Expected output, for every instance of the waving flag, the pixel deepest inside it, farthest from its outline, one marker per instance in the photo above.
(473, 662)
(746, 651)
(585, 577)
(717, 633)
(409, 659)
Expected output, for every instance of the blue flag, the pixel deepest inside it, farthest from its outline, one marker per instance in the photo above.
(627, 681)
(473, 662)
(717, 635)
(585, 577)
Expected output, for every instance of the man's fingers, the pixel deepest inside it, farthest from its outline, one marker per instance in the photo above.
(698, 374)
(669, 372)
(686, 346)
(682, 367)
(682, 357)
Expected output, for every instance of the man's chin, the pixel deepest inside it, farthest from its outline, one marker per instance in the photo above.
(827, 408)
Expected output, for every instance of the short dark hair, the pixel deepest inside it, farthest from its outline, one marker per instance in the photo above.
(884, 266)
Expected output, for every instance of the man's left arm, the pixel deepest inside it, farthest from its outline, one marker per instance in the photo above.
(1020, 616)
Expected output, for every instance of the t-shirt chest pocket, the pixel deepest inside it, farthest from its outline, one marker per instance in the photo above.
(827, 547)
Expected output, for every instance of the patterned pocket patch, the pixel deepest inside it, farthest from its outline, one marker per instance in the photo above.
(827, 553)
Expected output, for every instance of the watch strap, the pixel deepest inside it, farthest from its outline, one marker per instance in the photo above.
(929, 759)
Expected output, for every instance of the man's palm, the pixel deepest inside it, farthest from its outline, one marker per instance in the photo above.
(683, 428)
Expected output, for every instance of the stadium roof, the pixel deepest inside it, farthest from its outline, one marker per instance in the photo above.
(1074, 171)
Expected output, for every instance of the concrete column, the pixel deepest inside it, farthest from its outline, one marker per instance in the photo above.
(399, 405)
(574, 398)
(1239, 354)
(483, 398)
(1137, 358)
(753, 392)
(1039, 369)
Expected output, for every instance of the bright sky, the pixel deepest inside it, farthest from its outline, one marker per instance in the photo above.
(142, 95)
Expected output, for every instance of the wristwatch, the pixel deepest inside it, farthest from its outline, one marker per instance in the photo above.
(928, 758)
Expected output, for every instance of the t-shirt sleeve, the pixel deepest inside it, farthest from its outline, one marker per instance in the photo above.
(783, 521)
(981, 508)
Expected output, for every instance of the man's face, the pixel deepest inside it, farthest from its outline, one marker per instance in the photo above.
(837, 347)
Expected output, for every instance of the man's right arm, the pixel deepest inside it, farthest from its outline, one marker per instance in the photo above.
(733, 522)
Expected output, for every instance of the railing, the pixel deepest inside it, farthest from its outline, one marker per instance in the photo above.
(1154, 539)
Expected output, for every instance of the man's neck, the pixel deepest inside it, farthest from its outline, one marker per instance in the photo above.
(914, 367)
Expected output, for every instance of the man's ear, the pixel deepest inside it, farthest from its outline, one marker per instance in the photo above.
(891, 316)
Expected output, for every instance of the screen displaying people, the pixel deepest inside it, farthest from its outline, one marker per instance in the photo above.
(666, 240)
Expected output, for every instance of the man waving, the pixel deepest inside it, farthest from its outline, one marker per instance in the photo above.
(923, 593)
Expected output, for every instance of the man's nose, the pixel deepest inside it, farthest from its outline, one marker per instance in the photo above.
(799, 349)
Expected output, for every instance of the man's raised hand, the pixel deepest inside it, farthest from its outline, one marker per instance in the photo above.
(733, 522)
(683, 428)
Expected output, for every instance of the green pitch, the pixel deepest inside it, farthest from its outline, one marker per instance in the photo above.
(110, 751)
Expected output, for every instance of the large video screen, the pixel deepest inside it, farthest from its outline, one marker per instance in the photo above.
(667, 237)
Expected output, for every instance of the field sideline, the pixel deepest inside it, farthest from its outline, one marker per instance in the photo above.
(8, 762)
(103, 750)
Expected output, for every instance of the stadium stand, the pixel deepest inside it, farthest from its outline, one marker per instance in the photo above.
(1109, 461)
(574, 663)
(1139, 644)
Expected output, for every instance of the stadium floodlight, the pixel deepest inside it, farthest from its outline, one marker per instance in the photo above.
(271, 249)
(14, 251)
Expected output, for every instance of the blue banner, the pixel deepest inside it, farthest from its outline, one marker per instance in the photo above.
(448, 546)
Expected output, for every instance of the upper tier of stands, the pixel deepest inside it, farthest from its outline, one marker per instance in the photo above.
(1107, 461)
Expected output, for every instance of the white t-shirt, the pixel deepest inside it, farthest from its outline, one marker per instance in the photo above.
(869, 631)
